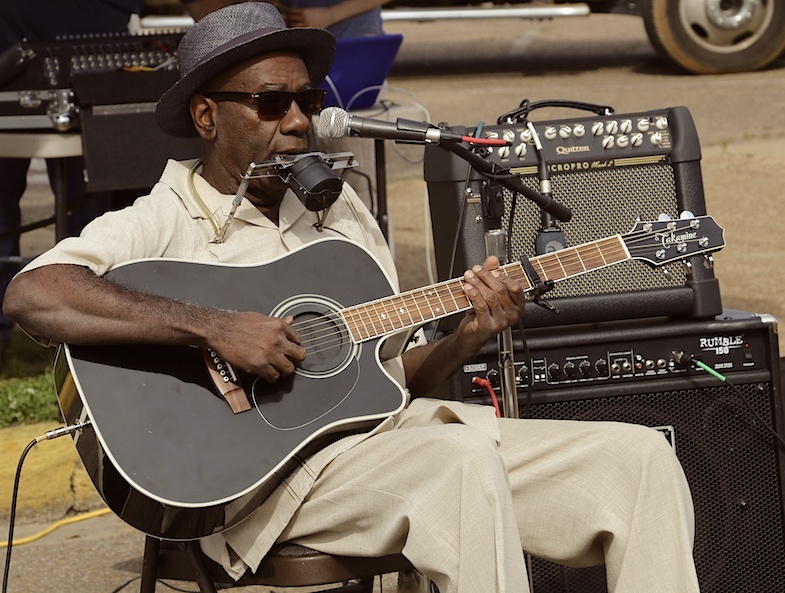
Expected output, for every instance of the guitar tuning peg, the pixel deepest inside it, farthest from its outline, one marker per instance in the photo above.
(663, 217)
(708, 262)
(686, 215)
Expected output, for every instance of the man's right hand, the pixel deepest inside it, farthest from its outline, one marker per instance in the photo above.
(265, 346)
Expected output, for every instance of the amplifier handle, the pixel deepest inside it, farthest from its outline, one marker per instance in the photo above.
(526, 107)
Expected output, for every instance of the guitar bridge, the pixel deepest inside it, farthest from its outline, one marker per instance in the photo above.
(226, 382)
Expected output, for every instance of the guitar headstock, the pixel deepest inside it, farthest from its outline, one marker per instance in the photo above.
(664, 241)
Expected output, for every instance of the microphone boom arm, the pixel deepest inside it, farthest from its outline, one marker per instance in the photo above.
(491, 169)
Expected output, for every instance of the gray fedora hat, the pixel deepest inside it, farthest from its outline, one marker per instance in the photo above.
(230, 35)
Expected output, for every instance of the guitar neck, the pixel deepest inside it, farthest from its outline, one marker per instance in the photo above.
(416, 307)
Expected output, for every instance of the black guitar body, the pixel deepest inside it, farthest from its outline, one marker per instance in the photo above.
(165, 451)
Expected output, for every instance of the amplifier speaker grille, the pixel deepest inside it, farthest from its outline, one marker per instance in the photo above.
(734, 474)
(605, 202)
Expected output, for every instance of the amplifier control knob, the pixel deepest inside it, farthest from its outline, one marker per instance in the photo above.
(608, 142)
(523, 374)
(602, 366)
(623, 141)
(509, 136)
(656, 138)
(585, 368)
(550, 132)
(579, 130)
(597, 128)
(644, 124)
(661, 122)
(554, 371)
(570, 369)
(612, 127)
(520, 150)
(625, 126)
(493, 377)
(527, 136)
(565, 132)
(636, 139)
(504, 152)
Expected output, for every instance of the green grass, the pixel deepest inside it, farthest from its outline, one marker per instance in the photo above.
(27, 392)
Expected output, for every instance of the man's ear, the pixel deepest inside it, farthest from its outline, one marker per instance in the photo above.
(203, 116)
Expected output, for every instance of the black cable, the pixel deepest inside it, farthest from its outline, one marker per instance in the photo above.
(125, 584)
(12, 517)
(173, 588)
(371, 195)
(527, 403)
(456, 238)
(773, 433)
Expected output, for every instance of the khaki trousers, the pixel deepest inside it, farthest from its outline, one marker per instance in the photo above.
(463, 507)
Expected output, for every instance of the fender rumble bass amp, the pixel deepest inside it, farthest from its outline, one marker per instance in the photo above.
(609, 171)
(723, 432)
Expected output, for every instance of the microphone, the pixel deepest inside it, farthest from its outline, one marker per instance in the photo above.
(335, 123)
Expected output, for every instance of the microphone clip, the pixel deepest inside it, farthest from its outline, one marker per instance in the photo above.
(310, 175)
(281, 164)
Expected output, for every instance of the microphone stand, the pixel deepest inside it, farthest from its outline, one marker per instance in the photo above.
(496, 244)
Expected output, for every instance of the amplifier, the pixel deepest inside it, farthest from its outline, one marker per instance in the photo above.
(638, 371)
(610, 171)
(37, 79)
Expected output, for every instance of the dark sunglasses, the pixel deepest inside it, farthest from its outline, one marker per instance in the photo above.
(275, 104)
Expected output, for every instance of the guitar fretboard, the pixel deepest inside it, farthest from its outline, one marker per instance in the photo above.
(417, 307)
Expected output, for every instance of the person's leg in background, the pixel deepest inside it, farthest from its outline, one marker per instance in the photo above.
(13, 181)
(82, 205)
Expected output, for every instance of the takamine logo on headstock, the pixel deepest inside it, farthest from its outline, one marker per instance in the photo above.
(663, 241)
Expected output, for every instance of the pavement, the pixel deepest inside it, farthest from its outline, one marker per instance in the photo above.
(476, 77)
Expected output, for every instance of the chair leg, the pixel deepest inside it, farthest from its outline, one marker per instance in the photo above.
(152, 548)
(149, 565)
(201, 574)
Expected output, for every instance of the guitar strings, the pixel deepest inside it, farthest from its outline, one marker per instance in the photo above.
(330, 330)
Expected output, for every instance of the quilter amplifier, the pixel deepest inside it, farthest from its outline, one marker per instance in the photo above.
(640, 372)
(610, 170)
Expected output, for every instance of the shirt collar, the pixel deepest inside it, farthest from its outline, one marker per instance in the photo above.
(217, 204)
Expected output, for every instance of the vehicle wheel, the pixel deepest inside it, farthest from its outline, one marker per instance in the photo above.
(715, 36)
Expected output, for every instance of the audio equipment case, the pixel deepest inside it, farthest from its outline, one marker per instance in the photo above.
(106, 86)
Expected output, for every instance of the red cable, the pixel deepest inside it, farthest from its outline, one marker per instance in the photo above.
(482, 382)
(488, 141)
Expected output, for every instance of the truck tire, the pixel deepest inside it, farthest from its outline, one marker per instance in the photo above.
(716, 36)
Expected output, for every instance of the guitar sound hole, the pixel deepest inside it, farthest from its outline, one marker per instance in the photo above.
(323, 334)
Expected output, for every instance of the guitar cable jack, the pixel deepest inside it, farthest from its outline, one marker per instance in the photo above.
(62, 431)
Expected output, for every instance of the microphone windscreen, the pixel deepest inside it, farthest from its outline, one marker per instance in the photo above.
(333, 123)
